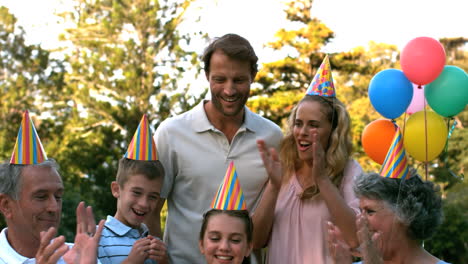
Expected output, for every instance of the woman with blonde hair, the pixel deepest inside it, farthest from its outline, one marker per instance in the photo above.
(314, 174)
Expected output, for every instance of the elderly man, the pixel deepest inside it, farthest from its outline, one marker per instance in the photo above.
(31, 193)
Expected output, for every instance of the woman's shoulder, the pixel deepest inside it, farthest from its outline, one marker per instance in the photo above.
(439, 262)
(353, 168)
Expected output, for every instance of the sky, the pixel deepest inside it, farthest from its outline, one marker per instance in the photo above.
(355, 22)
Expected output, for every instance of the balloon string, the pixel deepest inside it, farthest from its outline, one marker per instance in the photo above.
(404, 126)
(425, 134)
(452, 128)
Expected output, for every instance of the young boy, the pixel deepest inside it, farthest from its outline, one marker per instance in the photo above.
(137, 188)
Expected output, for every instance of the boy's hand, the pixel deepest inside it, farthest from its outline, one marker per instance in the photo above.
(140, 251)
(158, 250)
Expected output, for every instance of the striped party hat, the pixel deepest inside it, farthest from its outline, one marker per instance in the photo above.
(322, 84)
(395, 164)
(229, 196)
(28, 148)
(142, 146)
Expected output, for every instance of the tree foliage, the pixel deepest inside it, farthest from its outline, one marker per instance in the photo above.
(27, 75)
(282, 83)
(126, 58)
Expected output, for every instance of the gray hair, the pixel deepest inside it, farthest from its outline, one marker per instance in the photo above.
(415, 202)
(10, 175)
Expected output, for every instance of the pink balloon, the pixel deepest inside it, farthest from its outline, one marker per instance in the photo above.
(422, 60)
(418, 101)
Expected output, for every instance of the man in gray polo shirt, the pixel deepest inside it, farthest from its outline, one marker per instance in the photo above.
(197, 146)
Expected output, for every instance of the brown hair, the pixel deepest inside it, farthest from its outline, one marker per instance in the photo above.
(235, 47)
(151, 169)
(339, 143)
(241, 214)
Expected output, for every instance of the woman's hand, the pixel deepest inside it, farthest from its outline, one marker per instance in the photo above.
(272, 163)
(370, 244)
(318, 160)
(339, 250)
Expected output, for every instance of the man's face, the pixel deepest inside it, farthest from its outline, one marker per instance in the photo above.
(39, 206)
(229, 83)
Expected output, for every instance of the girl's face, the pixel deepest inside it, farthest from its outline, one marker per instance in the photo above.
(225, 240)
(310, 120)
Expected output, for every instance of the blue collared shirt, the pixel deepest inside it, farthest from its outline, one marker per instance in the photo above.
(117, 241)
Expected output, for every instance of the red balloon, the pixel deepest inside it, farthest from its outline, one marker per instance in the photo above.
(422, 60)
(376, 139)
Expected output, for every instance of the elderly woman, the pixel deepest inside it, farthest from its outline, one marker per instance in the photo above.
(396, 215)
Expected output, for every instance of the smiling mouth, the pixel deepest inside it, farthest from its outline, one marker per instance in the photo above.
(138, 212)
(230, 99)
(224, 257)
(303, 145)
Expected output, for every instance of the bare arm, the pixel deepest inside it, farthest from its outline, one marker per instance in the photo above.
(342, 215)
(264, 213)
(154, 219)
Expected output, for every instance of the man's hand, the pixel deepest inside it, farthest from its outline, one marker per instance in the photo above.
(87, 238)
(48, 252)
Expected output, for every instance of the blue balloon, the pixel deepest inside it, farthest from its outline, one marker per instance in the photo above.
(390, 93)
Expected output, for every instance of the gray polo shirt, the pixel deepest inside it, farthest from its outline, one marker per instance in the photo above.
(195, 156)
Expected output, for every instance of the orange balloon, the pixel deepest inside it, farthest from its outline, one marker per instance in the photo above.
(376, 139)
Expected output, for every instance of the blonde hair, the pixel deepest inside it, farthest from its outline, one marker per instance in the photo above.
(339, 143)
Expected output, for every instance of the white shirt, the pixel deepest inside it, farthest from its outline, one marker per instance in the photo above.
(195, 156)
(9, 256)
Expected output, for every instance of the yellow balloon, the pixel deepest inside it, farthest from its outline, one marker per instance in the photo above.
(415, 135)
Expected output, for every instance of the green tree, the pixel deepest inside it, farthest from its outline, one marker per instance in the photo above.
(28, 74)
(281, 84)
(125, 60)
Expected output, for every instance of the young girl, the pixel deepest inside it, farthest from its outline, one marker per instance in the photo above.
(226, 235)
(316, 172)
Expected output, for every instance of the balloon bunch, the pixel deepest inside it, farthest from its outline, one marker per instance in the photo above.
(424, 80)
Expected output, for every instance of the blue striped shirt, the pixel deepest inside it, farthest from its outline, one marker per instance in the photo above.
(117, 241)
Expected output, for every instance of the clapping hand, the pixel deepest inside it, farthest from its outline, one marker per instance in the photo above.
(84, 250)
(370, 244)
(271, 162)
(158, 250)
(337, 247)
(50, 252)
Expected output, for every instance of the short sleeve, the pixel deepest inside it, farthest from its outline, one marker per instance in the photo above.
(352, 171)
(166, 156)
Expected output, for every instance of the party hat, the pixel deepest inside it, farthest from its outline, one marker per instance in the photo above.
(142, 146)
(395, 164)
(28, 148)
(322, 84)
(229, 196)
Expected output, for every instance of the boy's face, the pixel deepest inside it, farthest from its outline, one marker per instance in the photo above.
(136, 199)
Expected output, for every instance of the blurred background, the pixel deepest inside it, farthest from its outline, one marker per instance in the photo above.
(87, 70)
